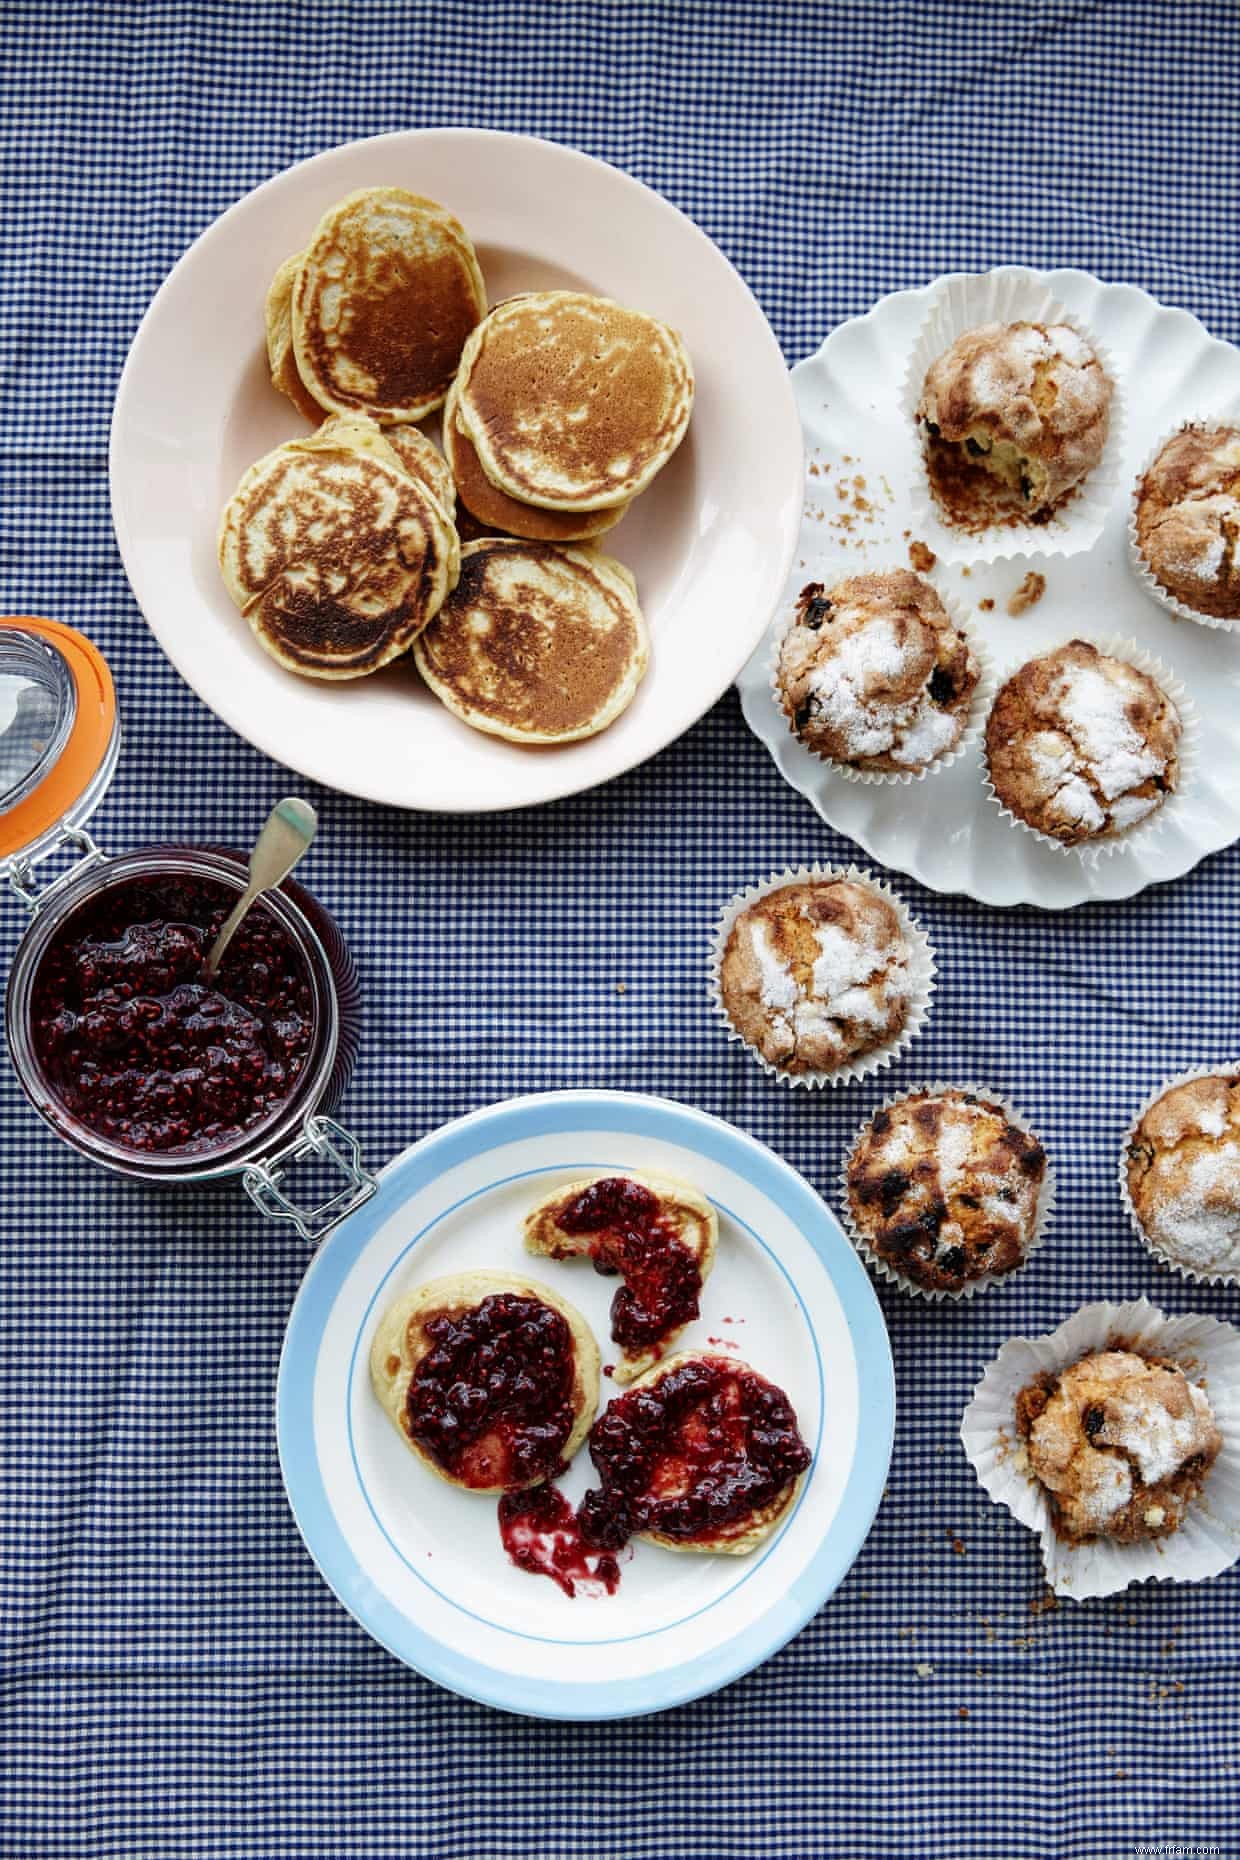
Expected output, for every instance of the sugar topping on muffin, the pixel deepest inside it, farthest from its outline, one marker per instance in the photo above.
(945, 1188)
(817, 973)
(1188, 519)
(1121, 1443)
(1183, 1173)
(1015, 417)
(1081, 745)
(874, 673)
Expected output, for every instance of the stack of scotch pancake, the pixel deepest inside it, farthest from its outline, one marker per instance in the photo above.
(341, 547)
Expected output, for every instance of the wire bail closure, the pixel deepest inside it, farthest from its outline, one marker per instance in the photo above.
(21, 871)
(324, 1138)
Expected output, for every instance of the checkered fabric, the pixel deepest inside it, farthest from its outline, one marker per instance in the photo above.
(177, 1678)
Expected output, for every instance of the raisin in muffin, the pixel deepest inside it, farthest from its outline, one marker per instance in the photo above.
(1121, 1444)
(944, 1188)
(1188, 519)
(1183, 1174)
(1082, 746)
(817, 973)
(1014, 416)
(875, 675)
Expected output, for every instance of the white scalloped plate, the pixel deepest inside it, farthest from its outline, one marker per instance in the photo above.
(944, 831)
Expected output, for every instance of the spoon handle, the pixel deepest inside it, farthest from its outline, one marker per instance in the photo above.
(288, 831)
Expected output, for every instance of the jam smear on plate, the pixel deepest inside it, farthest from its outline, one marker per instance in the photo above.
(492, 1399)
(138, 1046)
(542, 1535)
(662, 1283)
(691, 1457)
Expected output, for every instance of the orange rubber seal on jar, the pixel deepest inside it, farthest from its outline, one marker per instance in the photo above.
(90, 736)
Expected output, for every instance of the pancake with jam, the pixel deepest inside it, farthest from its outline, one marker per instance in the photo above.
(536, 644)
(490, 1378)
(335, 553)
(573, 402)
(385, 295)
(700, 1454)
(495, 510)
(658, 1234)
(280, 358)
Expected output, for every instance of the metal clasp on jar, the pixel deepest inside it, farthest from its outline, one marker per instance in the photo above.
(327, 1141)
(21, 871)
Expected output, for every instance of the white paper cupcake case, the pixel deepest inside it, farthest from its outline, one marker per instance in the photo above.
(921, 974)
(1136, 561)
(975, 717)
(1091, 851)
(1157, 1252)
(882, 1267)
(1208, 1541)
(1009, 295)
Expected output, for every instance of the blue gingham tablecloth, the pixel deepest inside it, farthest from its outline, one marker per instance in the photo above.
(177, 1680)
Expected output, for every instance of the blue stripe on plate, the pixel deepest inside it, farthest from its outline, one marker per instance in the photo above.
(752, 1564)
(560, 1113)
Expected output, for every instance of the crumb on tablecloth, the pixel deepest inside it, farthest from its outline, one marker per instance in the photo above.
(922, 557)
(987, 606)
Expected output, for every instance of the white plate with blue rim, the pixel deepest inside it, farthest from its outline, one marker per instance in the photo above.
(419, 1563)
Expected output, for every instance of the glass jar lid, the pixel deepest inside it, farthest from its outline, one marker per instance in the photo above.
(59, 736)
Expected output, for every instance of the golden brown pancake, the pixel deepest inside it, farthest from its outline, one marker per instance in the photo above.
(573, 402)
(743, 1534)
(386, 294)
(536, 644)
(402, 1342)
(405, 448)
(497, 511)
(678, 1214)
(468, 527)
(335, 557)
(422, 459)
(281, 360)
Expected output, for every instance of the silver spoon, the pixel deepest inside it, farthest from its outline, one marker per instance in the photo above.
(288, 831)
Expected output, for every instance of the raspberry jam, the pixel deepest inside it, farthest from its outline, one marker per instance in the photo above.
(139, 1047)
(492, 1399)
(693, 1457)
(662, 1282)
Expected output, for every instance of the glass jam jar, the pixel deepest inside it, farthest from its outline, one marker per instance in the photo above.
(116, 1036)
